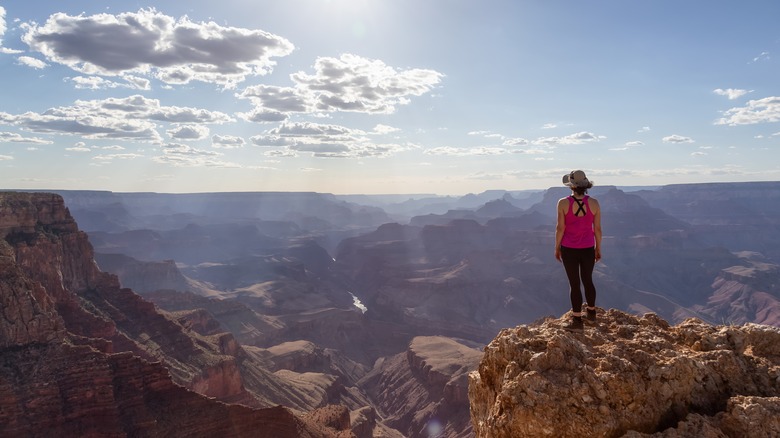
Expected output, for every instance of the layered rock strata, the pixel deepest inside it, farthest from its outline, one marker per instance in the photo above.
(629, 376)
(79, 356)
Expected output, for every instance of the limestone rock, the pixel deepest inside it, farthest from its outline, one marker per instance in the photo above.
(628, 376)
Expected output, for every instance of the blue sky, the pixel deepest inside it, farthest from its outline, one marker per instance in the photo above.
(386, 96)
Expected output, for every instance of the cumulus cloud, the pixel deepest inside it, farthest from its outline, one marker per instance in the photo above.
(576, 138)
(32, 62)
(2, 24)
(634, 144)
(182, 155)
(6, 157)
(189, 132)
(354, 83)
(227, 142)
(12, 137)
(326, 141)
(108, 158)
(148, 42)
(278, 99)
(384, 129)
(99, 83)
(515, 142)
(644, 129)
(764, 110)
(678, 139)
(131, 118)
(731, 93)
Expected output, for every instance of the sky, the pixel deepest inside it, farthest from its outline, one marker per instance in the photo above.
(441, 97)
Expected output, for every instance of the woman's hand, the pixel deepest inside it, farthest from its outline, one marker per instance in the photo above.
(598, 254)
(558, 253)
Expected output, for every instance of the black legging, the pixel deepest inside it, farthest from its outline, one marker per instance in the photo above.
(579, 263)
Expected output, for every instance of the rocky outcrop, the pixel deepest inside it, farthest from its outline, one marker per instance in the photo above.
(423, 391)
(629, 376)
(79, 356)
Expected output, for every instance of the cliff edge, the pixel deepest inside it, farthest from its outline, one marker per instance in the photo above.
(80, 356)
(629, 376)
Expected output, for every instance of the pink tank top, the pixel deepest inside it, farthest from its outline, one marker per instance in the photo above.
(579, 229)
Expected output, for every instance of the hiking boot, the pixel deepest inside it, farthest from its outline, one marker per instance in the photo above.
(575, 325)
(591, 314)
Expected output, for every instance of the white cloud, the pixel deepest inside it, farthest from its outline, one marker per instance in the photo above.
(131, 118)
(354, 83)
(764, 110)
(384, 129)
(326, 141)
(32, 62)
(644, 129)
(515, 142)
(2, 24)
(6, 157)
(576, 138)
(549, 126)
(93, 83)
(731, 93)
(79, 147)
(148, 42)
(678, 139)
(12, 137)
(763, 56)
(634, 143)
(277, 99)
(227, 142)
(107, 158)
(465, 152)
(189, 132)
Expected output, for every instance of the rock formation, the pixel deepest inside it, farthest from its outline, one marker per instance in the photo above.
(423, 391)
(79, 356)
(629, 376)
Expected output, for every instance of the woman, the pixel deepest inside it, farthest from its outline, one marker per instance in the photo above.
(578, 243)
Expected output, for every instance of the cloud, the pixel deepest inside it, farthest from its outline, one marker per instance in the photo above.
(764, 110)
(731, 93)
(2, 24)
(269, 140)
(549, 126)
(465, 152)
(227, 142)
(182, 155)
(189, 132)
(576, 138)
(678, 139)
(644, 129)
(326, 141)
(6, 158)
(12, 137)
(108, 158)
(130, 118)
(634, 143)
(99, 83)
(278, 99)
(150, 43)
(384, 129)
(32, 62)
(354, 83)
(515, 142)
(763, 56)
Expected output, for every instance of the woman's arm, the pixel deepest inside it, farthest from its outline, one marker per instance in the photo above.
(596, 209)
(560, 227)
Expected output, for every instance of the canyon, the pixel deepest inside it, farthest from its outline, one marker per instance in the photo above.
(244, 304)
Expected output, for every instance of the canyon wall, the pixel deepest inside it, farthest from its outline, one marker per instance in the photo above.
(80, 356)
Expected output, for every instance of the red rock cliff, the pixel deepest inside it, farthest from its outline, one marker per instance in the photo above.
(79, 356)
